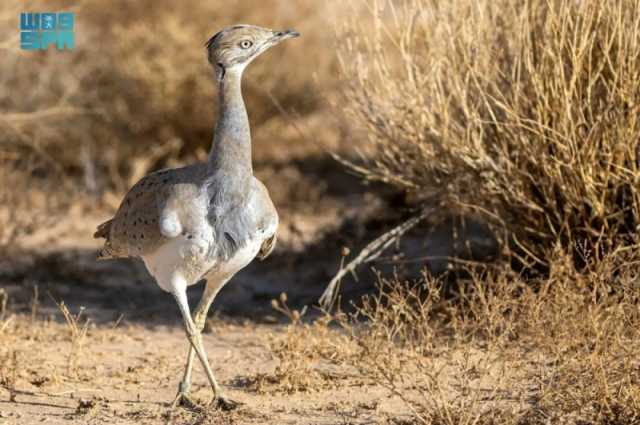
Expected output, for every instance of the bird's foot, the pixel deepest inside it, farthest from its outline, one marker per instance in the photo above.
(225, 403)
(183, 400)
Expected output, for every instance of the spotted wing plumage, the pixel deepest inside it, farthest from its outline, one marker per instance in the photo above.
(135, 228)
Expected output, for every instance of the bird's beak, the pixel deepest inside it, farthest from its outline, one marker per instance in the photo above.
(291, 34)
(279, 36)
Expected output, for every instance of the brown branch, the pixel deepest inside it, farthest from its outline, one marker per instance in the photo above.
(368, 254)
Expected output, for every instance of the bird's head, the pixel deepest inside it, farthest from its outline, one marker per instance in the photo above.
(235, 47)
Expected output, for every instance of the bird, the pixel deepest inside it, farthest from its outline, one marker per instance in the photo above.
(208, 220)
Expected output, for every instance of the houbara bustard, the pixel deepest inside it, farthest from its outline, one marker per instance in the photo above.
(205, 220)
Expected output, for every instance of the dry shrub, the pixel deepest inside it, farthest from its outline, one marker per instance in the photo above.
(586, 324)
(32, 192)
(526, 112)
(509, 350)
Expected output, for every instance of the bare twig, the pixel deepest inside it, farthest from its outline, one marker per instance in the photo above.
(370, 253)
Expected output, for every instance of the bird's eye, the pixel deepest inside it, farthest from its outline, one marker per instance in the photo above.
(245, 44)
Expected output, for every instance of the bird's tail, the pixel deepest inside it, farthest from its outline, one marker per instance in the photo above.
(105, 253)
(104, 231)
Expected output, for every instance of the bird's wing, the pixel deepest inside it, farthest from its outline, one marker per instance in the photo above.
(267, 246)
(150, 213)
(268, 221)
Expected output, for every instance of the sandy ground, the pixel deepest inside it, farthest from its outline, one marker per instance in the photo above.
(127, 375)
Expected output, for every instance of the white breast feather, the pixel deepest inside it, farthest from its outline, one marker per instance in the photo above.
(186, 259)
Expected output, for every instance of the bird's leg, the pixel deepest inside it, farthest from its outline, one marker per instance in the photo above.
(195, 339)
(199, 318)
(182, 397)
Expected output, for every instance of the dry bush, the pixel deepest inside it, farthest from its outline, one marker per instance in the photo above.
(32, 192)
(34, 187)
(509, 350)
(526, 112)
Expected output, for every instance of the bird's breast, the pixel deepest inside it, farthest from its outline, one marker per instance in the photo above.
(184, 256)
(224, 269)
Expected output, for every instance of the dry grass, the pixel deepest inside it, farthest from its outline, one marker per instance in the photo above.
(77, 327)
(525, 112)
(301, 352)
(502, 350)
(8, 373)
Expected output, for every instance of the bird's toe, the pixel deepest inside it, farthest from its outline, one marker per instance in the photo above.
(183, 400)
(225, 403)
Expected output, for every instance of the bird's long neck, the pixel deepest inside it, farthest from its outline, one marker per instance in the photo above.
(231, 149)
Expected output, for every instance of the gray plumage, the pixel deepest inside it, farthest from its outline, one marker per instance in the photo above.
(205, 220)
(186, 196)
